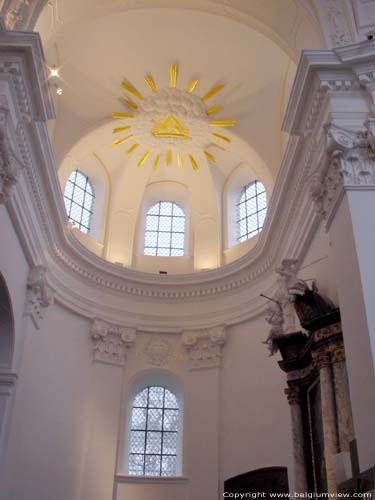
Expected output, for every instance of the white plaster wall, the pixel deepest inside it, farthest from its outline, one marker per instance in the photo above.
(255, 423)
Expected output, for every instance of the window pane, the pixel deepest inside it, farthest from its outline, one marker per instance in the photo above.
(152, 465)
(170, 400)
(151, 238)
(170, 420)
(156, 397)
(165, 223)
(251, 210)
(164, 240)
(136, 465)
(141, 398)
(169, 443)
(153, 444)
(166, 208)
(139, 419)
(169, 466)
(165, 230)
(137, 441)
(155, 420)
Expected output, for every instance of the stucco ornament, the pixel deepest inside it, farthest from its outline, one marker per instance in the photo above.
(39, 294)
(10, 165)
(111, 342)
(171, 124)
(204, 347)
(158, 351)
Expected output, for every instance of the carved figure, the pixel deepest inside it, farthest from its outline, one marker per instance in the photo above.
(275, 317)
(37, 285)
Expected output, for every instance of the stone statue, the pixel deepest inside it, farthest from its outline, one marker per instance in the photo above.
(275, 317)
(38, 287)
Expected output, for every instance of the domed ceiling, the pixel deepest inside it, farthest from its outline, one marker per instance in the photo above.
(153, 66)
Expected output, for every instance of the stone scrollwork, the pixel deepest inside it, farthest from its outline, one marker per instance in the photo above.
(39, 294)
(350, 165)
(10, 166)
(111, 342)
(204, 347)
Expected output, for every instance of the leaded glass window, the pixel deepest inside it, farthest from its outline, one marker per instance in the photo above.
(251, 210)
(154, 433)
(165, 230)
(79, 199)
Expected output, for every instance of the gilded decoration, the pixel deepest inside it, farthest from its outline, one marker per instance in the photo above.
(171, 123)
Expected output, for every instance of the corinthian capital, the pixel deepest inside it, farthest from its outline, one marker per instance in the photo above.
(111, 342)
(204, 347)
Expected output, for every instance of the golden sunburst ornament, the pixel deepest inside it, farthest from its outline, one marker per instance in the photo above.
(170, 123)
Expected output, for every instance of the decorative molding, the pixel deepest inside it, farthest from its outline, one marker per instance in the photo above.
(8, 381)
(321, 357)
(158, 351)
(39, 295)
(204, 347)
(21, 14)
(10, 165)
(293, 395)
(111, 342)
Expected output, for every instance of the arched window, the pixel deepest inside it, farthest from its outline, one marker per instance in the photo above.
(78, 199)
(251, 210)
(165, 230)
(154, 433)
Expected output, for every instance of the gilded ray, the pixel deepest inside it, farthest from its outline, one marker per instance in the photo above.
(179, 161)
(193, 162)
(144, 158)
(223, 123)
(129, 103)
(121, 116)
(173, 75)
(151, 83)
(192, 86)
(121, 129)
(222, 137)
(121, 141)
(210, 156)
(132, 148)
(212, 92)
(213, 110)
(156, 162)
(169, 157)
(217, 146)
(132, 91)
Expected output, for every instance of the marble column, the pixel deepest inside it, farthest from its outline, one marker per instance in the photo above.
(342, 396)
(300, 477)
(322, 360)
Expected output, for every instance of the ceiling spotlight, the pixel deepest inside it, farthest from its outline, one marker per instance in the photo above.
(59, 91)
(54, 72)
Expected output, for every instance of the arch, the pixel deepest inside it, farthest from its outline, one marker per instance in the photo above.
(99, 179)
(156, 378)
(79, 200)
(242, 176)
(6, 327)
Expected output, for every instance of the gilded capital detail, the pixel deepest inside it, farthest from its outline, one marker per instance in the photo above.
(204, 347)
(111, 342)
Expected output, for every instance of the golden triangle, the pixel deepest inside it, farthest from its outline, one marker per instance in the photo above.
(171, 127)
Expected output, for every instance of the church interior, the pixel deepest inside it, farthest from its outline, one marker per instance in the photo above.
(186, 277)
